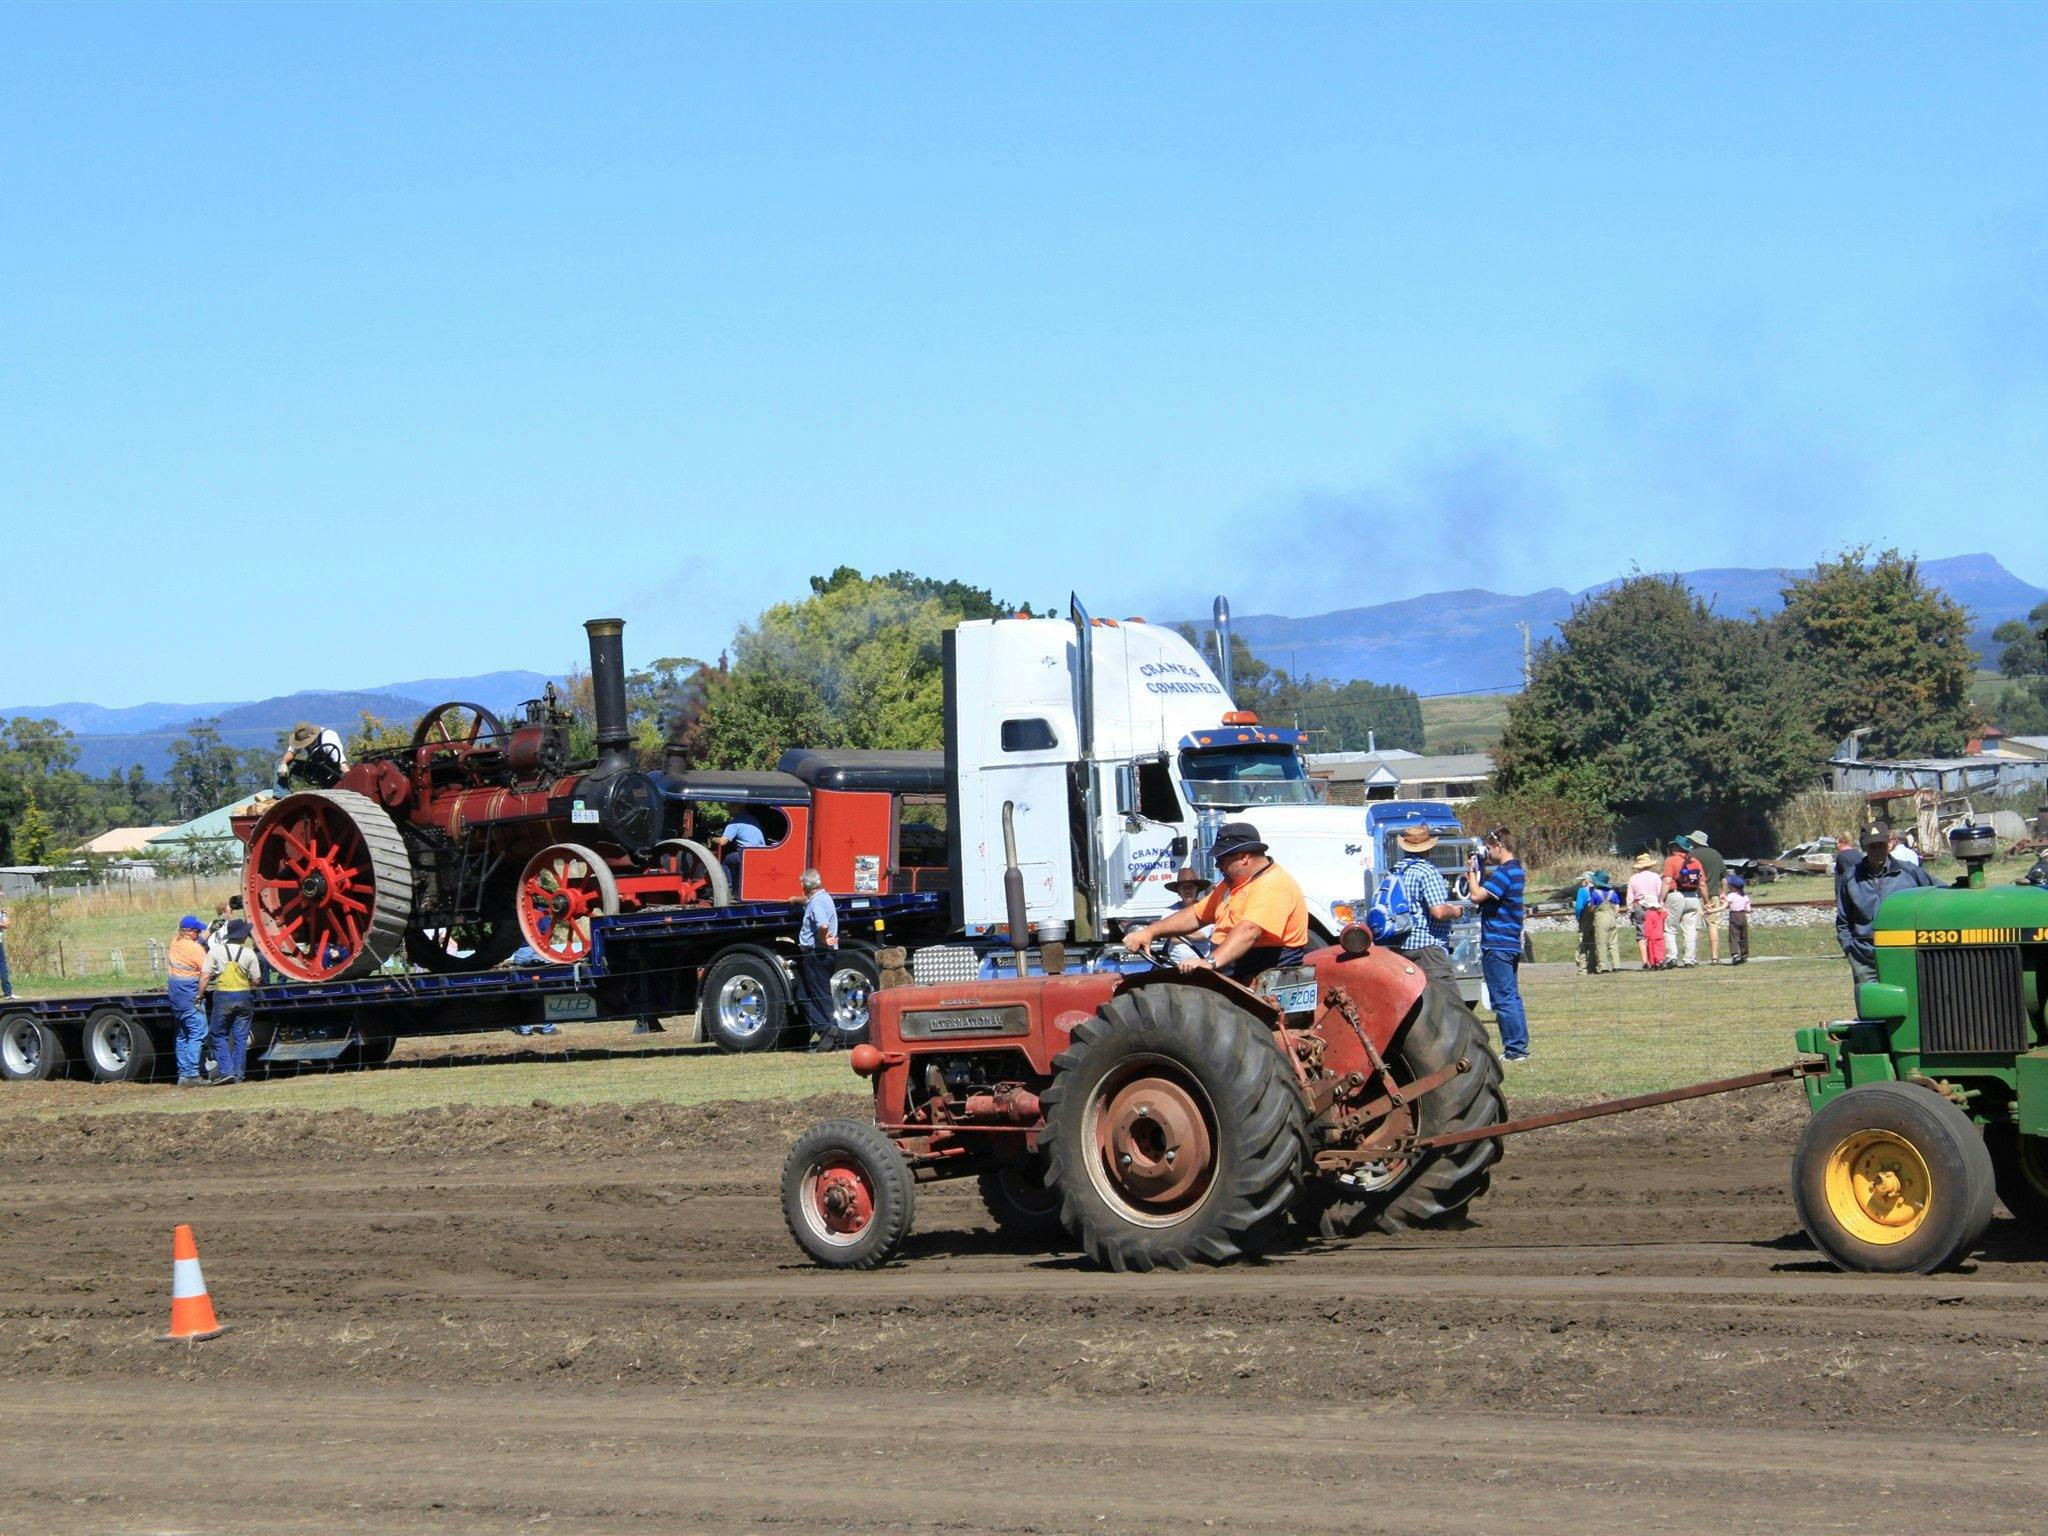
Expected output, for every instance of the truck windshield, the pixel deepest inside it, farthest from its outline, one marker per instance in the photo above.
(1231, 776)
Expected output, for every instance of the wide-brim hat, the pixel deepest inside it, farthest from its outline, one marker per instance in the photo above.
(1418, 840)
(237, 930)
(1646, 861)
(1185, 878)
(1698, 837)
(1600, 877)
(304, 734)
(1235, 837)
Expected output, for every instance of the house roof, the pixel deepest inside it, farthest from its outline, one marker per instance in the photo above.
(1407, 768)
(213, 826)
(119, 840)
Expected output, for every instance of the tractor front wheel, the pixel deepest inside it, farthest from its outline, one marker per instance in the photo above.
(2019, 1167)
(847, 1195)
(1892, 1178)
(1174, 1131)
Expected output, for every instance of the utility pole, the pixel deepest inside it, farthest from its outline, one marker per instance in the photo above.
(1523, 626)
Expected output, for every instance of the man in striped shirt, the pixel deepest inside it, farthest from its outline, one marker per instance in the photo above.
(1497, 888)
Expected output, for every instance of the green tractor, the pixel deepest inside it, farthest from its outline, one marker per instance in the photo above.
(1936, 1097)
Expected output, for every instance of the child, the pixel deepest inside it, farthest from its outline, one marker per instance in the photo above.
(1738, 920)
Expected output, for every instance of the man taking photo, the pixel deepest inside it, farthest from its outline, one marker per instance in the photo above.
(1497, 891)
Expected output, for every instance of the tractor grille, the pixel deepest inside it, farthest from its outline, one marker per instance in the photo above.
(1971, 1001)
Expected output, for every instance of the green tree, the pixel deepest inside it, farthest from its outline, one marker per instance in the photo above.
(2025, 643)
(34, 838)
(855, 664)
(206, 772)
(1647, 704)
(1879, 650)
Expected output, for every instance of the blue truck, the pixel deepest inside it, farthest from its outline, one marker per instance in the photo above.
(731, 966)
(1385, 820)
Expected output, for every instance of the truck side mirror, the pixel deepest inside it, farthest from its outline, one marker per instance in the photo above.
(1180, 849)
(1126, 790)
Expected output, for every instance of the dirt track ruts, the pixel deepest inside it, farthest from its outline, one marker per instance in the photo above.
(477, 1320)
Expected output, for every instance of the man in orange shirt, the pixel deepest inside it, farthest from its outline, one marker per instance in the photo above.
(1259, 913)
(187, 983)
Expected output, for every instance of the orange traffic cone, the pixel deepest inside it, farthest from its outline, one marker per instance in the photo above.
(191, 1308)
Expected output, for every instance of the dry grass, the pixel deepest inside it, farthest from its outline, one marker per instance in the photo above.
(92, 925)
(1467, 722)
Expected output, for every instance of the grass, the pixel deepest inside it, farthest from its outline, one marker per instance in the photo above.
(1466, 722)
(92, 925)
(1593, 1036)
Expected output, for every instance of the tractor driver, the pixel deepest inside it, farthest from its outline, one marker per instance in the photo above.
(1260, 916)
(311, 756)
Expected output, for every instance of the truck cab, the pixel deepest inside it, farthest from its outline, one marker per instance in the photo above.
(1120, 753)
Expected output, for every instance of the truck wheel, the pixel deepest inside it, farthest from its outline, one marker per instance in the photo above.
(1438, 1184)
(30, 1051)
(744, 1003)
(1020, 1202)
(847, 1195)
(2019, 1167)
(1892, 1177)
(116, 1047)
(1174, 1131)
(855, 979)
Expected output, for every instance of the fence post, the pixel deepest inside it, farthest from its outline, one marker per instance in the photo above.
(60, 959)
(117, 963)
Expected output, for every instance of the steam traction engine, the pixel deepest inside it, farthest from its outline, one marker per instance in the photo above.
(471, 839)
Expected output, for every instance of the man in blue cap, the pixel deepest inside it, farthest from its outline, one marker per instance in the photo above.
(187, 970)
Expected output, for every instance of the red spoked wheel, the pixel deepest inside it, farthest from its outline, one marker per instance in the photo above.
(700, 878)
(328, 885)
(564, 887)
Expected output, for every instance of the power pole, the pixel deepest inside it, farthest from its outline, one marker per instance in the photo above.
(1523, 626)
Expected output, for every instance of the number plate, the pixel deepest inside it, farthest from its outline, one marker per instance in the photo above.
(1300, 998)
(575, 1005)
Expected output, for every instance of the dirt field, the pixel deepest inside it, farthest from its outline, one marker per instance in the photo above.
(590, 1319)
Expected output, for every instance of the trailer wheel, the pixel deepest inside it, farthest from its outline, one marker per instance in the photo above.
(117, 1047)
(1174, 1131)
(374, 1050)
(2019, 1167)
(744, 1002)
(855, 979)
(1440, 1184)
(1019, 1200)
(1893, 1178)
(30, 1051)
(847, 1195)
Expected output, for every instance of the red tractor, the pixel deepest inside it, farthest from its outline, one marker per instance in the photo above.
(1160, 1118)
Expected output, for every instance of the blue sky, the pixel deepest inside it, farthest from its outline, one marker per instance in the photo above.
(351, 345)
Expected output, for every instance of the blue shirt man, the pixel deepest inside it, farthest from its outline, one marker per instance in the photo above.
(1860, 889)
(1498, 890)
(741, 832)
(817, 936)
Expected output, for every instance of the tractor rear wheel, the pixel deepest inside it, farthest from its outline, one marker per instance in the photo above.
(1436, 1185)
(2019, 1167)
(328, 884)
(1019, 1200)
(847, 1195)
(1892, 1178)
(1174, 1130)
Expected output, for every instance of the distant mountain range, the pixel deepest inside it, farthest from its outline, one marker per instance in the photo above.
(1447, 642)
(1470, 642)
(143, 733)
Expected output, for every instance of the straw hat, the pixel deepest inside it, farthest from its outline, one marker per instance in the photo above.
(1646, 861)
(1417, 840)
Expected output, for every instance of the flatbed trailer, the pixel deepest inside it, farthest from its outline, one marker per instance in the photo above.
(731, 966)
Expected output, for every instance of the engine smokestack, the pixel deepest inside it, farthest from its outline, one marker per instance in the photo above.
(608, 691)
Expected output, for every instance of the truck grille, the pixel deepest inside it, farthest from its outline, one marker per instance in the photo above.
(1971, 1002)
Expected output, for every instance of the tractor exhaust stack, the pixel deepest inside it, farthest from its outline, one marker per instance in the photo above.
(608, 692)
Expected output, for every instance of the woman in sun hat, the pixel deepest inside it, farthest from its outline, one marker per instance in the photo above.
(1646, 910)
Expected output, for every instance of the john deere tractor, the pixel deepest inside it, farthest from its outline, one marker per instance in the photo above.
(1936, 1097)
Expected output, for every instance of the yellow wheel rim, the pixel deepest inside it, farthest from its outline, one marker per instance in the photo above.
(1878, 1187)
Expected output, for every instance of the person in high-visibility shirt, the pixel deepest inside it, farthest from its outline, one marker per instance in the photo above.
(232, 969)
(1259, 913)
(187, 968)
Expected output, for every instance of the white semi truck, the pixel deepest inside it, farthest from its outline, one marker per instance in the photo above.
(1121, 753)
